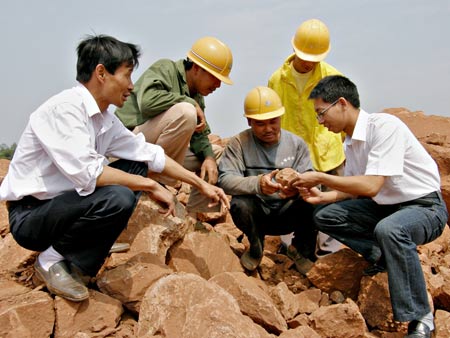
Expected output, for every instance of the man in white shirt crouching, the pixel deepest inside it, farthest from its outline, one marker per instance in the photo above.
(64, 198)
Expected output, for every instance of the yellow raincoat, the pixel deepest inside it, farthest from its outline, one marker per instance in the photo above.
(325, 147)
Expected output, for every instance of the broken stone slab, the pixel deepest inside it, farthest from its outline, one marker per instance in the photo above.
(252, 300)
(186, 305)
(29, 315)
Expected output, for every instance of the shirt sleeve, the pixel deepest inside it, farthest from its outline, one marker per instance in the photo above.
(157, 94)
(232, 172)
(200, 144)
(64, 135)
(129, 146)
(387, 148)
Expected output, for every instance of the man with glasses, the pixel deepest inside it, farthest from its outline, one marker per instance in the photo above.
(388, 202)
(293, 82)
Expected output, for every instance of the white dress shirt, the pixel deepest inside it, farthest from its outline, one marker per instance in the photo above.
(383, 145)
(66, 144)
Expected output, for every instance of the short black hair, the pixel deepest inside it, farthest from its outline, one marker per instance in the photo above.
(188, 63)
(105, 50)
(332, 87)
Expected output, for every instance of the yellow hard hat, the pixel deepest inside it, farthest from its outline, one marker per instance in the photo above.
(213, 56)
(263, 103)
(311, 41)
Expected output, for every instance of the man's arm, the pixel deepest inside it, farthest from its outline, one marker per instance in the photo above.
(176, 171)
(365, 185)
(113, 176)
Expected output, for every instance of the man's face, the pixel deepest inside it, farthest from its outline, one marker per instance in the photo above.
(118, 86)
(303, 66)
(329, 115)
(267, 131)
(205, 83)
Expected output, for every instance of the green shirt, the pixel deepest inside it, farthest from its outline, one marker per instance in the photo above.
(161, 86)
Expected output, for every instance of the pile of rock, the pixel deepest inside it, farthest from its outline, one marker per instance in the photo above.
(182, 278)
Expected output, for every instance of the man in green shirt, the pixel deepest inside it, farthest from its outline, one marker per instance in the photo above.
(167, 105)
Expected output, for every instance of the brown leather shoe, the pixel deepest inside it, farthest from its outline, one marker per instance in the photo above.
(59, 282)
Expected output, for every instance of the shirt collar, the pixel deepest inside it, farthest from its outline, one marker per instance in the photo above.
(88, 100)
(359, 132)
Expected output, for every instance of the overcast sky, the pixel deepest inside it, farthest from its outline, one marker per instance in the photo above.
(396, 51)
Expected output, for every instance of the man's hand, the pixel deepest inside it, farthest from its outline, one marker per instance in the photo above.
(160, 194)
(311, 195)
(267, 185)
(308, 179)
(209, 168)
(216, 195)
(201, 120)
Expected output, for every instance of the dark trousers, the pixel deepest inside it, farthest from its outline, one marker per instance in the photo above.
(256, 220)
(80, 228)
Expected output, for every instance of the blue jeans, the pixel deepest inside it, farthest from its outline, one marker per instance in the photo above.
(80, 228)
(391, 231)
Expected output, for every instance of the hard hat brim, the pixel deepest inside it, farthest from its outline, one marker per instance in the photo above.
(309, 57)
(266, 116)
(221, 77)
(224, 79)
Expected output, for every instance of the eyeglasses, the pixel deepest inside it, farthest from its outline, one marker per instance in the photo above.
(320, 115)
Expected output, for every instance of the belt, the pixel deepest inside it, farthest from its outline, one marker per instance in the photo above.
(425, 200)
(27, 201)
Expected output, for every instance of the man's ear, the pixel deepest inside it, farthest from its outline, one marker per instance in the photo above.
(100, 72)
(249, 122)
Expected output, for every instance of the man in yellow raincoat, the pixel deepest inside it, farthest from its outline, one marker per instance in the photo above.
(293, 82)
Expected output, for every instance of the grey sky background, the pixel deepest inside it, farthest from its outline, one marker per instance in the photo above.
(396, 51)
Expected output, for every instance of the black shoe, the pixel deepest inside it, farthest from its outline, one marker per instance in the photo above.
(302, 264)
(418, 329)
(249, 262)
(374, 269)
(60, 282)
(253, 256)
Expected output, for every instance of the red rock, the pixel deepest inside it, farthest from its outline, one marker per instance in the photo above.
(285, 300)
(300, 332)
(374, 303)
(129, 282)
(442, 321)
(339, 321)
(309, 300)
(13, 256)
(340, 271)
(204, 254)
(29, 315)
(186, 305)
(160, 232)
(97, 316)
(252, 300)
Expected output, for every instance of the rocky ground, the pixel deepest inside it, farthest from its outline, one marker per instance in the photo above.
(183, 279)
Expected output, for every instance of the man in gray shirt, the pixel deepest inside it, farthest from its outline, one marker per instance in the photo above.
(260, 205)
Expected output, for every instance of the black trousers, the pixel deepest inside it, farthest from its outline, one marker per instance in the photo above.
(257, 220)
(80, 228)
